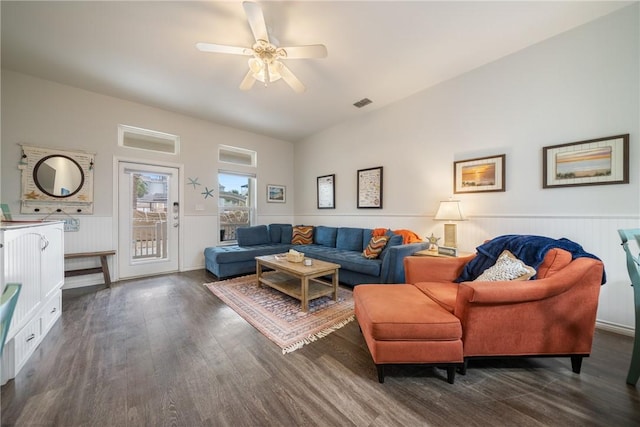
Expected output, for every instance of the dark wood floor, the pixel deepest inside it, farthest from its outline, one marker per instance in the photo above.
(165, 351)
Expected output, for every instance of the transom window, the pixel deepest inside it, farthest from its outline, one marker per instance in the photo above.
(149, 140)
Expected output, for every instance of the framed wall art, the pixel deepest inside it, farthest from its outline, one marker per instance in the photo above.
(593, 162)
(481, 175)
(276, 193)
(370, 188)
(327, 192)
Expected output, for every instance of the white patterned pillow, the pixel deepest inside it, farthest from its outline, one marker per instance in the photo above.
(507, 267)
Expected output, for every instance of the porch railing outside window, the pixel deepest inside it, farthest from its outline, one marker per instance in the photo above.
(149, 234)
(232, 218)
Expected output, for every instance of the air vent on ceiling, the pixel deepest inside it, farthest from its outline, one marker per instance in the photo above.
(362, 102)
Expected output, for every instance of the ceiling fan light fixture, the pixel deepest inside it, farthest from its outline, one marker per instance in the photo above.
(265, 72)
(265, 65)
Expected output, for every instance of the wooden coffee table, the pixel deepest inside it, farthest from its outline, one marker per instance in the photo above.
(298, 280)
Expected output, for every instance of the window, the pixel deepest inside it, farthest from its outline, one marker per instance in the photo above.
(149, 140)
(236, 192)
(236, 203)
(237, 156)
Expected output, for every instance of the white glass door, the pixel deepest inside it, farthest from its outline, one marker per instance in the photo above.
(148, 219)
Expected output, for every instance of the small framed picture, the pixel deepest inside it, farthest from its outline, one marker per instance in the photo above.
(327, 192)
(370, 188)
(593, 162)
(276, 193)
(481, 175)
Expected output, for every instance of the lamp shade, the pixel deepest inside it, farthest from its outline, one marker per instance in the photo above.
(450, 210)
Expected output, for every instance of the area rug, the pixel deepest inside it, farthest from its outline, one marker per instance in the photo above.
(278, 316)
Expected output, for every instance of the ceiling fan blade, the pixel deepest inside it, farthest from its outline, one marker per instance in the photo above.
(256, 20)
(220, 48)
(248, 81)
(310, 51)
(290, 78)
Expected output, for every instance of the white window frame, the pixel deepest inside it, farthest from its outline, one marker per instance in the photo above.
(236, 150)
(252, 201)
(173, 139)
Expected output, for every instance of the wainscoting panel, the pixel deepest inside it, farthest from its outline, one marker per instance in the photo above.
(200, 231)
(596, 234)
(95, 234)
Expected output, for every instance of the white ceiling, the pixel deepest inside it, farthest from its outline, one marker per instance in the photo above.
(145, 52)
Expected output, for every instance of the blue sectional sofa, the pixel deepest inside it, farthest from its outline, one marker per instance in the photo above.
(342, 245)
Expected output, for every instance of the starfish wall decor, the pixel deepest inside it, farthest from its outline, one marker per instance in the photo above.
(194, 182)
(207, 193)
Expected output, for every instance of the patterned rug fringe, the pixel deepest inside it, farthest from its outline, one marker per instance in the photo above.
(311, 338)
(278, 316)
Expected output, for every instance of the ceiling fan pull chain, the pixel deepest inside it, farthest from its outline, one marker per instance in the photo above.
(267, 77)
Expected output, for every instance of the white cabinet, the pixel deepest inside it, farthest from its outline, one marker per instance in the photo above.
(32, 255)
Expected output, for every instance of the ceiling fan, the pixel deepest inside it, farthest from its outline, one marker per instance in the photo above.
(266, 65)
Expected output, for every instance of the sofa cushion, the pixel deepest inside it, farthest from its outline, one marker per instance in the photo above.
(302, 235)
(444, 293)
(250, 236)
(367, 234)
(349, 239)
(275, 232)
(287, 234)
(231, 254)
(348, 260)
(507, 267)
(375, 247)
(555, 260)
(419, 319)
(325, 236)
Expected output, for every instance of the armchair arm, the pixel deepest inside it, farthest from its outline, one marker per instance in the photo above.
(509, 292)
(434, 269)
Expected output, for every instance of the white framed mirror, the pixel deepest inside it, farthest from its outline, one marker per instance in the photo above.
(56, 181)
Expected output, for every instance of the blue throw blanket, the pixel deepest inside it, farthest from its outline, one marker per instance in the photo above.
(529, 249)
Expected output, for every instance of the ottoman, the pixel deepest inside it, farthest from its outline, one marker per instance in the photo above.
(402, 325)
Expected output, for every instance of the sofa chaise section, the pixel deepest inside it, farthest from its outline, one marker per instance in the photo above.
(226, 261)
(232, 260)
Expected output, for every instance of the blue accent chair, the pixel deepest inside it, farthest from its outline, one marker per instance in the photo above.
(7, 306)
(633, 267)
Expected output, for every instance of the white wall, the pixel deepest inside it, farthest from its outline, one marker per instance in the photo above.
(580, 85)
(47, 114)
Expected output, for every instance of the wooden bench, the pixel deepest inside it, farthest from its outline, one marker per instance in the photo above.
(104, 267)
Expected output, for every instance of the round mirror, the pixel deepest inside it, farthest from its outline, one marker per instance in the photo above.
(58, 176)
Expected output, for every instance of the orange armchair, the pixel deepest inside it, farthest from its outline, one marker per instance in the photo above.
(553, 315)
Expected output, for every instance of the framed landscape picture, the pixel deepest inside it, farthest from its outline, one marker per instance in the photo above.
(327, 192)
(276, 193)
(370, 188)
(593, 162)
(481, 175)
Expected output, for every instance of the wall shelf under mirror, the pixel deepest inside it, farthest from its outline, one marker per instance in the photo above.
(56, 181)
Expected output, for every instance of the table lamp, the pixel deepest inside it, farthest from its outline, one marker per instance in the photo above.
(450, 210)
